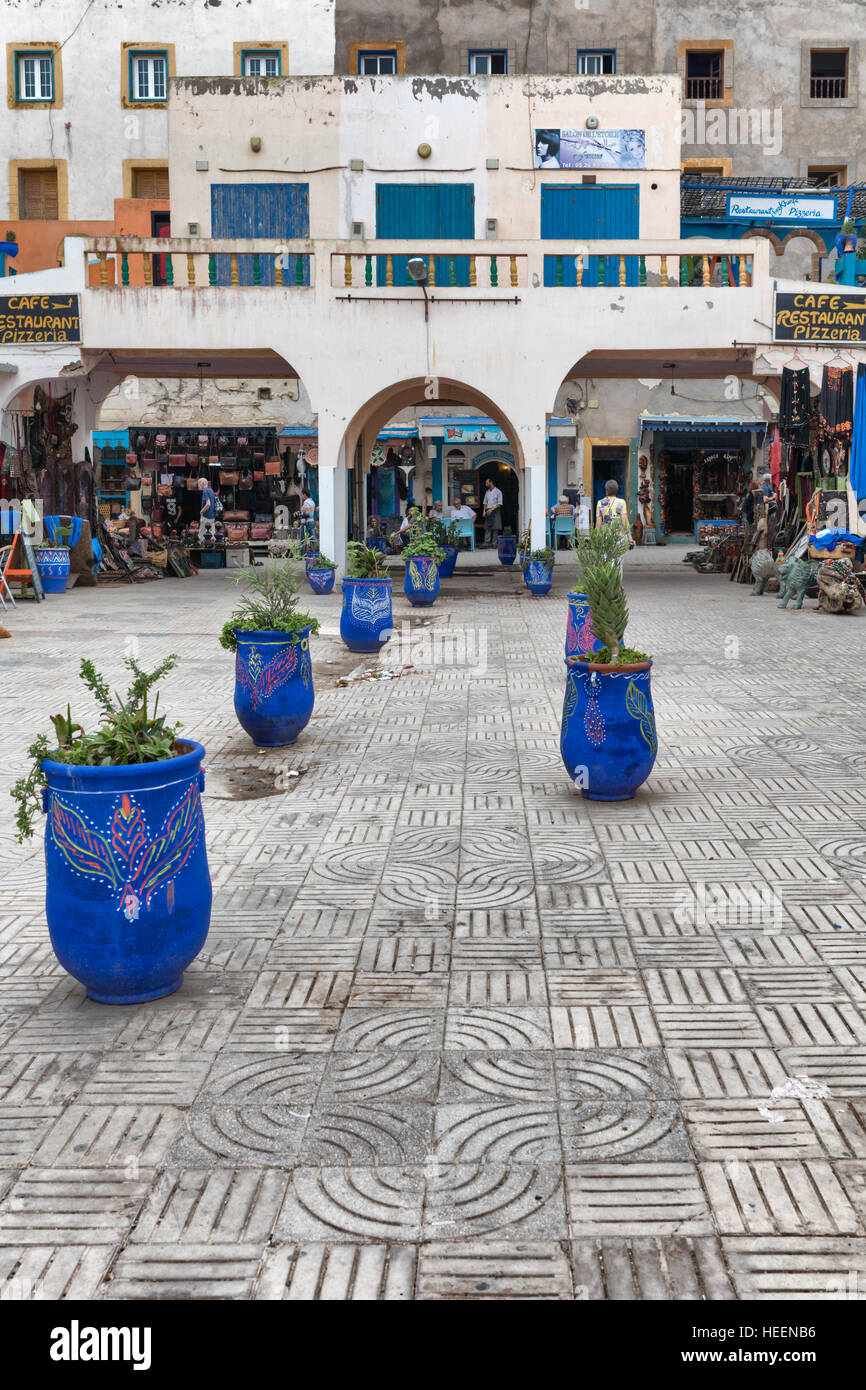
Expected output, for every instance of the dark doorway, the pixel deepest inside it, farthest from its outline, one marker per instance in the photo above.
(160, 225)
(505, 478)
(680, 503)
(609, 462)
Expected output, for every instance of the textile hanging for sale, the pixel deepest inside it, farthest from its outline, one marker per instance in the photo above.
(775, 459)
(857, 471)
(836, 404)
(794, 406)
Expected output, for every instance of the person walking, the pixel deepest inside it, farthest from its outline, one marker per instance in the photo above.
(207, 515)
(492, 509)
(612, 508)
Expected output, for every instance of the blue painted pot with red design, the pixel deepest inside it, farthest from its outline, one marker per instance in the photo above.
(274, 694)
(310, 562)
(52, 562)
(321, 581)
(128, 892)
(446, 567)
(367, 620)
(579, 636)
(608, 735)
(538, 577)
(507, 550)
(421, 585)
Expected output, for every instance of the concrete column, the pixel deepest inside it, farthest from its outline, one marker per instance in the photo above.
(535, 457)
(333, 514)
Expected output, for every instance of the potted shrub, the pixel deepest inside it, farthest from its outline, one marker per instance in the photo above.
(321, 575)
(128, 892)
(507, 547)
(366, 621)
(447, 537)
(608, 736)
(376, 538)
(423, 556)
(538, 571)
(274, 694)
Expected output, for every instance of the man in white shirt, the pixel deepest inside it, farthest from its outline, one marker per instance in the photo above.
(462, 513)
(492, 508)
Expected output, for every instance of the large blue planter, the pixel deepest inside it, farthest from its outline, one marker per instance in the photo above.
(421, 584)
(538, 577)
(274, 694)
(446, 569)
(366, 622)
(128, 890)
(379, 543)
(321, 581)
(52, 562)
(579, 636)
(608, 737)
(507, 550)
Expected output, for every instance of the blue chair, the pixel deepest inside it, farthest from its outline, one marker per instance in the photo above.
(465, 526)
(563, 526)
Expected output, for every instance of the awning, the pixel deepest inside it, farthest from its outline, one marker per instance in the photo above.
(703, 425)
(110, 439)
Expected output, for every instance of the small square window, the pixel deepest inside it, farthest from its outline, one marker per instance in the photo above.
(828, 175)
(488, 62)
(596, 62)
(34, 73)
(148, 74)
(705, 74)
(828, 74)
(377, 64)
(264, 63)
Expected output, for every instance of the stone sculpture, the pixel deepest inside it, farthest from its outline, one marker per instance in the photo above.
(763, 567)
(795, 576)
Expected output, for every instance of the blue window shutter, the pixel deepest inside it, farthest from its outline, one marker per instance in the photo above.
(587, 212)
(426, 212)
(267, 211)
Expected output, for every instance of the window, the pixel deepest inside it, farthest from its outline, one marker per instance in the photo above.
(150, 183)
(828, 175)
(148, 76)
(596, 62)
(381, 63)
(487, 62)
(264, 63)
(35, 76)
(37, 195)
(828, 74)
(704, 75)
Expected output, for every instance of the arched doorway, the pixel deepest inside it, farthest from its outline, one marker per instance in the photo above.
(505, 478)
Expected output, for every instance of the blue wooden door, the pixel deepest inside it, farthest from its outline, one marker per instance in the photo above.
(589, 212)
(272, 211)
(426, 212)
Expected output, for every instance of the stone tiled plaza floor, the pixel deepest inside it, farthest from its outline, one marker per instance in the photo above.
(456, 1032)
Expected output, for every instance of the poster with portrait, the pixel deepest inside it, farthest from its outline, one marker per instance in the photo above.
(590, 149)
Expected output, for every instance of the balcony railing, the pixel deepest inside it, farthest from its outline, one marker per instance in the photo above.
(704, 89)
(828, 88)
(380, 268)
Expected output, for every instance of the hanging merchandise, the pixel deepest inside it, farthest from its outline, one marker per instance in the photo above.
(836, 404)
(774, 459)
(857, 473)
(794, 406)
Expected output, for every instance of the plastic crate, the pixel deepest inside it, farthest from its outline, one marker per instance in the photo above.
(212, 560)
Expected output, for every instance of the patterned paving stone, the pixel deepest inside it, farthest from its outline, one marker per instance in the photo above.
(631, 1199)
(469, 1200)
(602, 1026)
(200, 1206)
(487, 1270)
(109, 1136)
(141, 1079)
(797, 1267)
(343, 1204)
(398, 1075)
(51, 1206)
(239, 1135)
(40, 1272)
(185, 1272)
(338, 1273)
(662, 1268)
(765, 1198)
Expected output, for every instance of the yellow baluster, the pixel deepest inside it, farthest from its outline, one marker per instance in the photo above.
(705, 269)
(578, 270)
(622, 270)
(278, 271)
(473, 281)
(514, 270)
(234, 265)
(148, 267)
(103, 268)
(190, 268)
(431, 270)
(663, 270)
(389, 270)
(347, 270)
(747, 271)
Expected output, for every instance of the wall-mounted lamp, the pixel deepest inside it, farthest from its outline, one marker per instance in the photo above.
(417, 268)
(425, 150)
(591, 122)
(255, 143)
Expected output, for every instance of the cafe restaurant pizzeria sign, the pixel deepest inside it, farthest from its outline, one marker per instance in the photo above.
(40, 318)
(819, 317)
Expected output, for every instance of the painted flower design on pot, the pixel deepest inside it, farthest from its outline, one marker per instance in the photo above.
(369, 606)
(421, 576)
(638, 707)
(260, 679)
(127, 857)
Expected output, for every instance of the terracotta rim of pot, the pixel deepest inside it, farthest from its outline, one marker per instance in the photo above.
(607, 667)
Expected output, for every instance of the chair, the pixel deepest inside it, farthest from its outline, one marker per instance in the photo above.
(563, 526)
(5, 552)
(465, 526)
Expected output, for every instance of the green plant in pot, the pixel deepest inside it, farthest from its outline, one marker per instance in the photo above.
(423, 556)
(128, 892)
(274, 693)
(366, 620)
(537, 566)
(506, 547)
(608, 736)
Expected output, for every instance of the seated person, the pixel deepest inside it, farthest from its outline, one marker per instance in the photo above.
(398, 539)
(436, 513)
(462, 512)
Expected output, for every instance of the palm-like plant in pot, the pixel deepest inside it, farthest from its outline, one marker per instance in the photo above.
(274, 693)
(366, 622)
(128, 892)
(608, 736)
(423, 555)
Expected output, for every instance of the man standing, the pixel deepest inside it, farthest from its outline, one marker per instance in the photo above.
(492, 513)
(611, 508)
(207, 516)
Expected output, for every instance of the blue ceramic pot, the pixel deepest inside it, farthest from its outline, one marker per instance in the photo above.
(128, 890)
(366, 622)
(507, 550)
(446, 569)
(52, 562)
(274, 694)
(579, 636)
(377, 543)
(538, 577)
(608, 737)
(421, 584)
(321, 581)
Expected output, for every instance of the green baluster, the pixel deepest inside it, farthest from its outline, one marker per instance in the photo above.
(211, 270)
(368, 271)
(299, 270)
(641, 270)
(726, 279)
(124, 268)
(602, 271)
(559, 270)
(169, 269)
(684, 270)
(494, 272)
(257, 269)
(452, 271)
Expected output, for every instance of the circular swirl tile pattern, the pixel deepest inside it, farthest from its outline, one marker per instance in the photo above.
(494, 886)
(366, 1030)
(559, 862)
(847, 855)
(273, 1078)
(583, 1076)
(475, 1199)
(378, 1203)
(489, 1133)
(493, 1029)
(374, 1076)
(632, 1129)
(233, 1135)
(384, 1135)
(350, 864)
(514, 1076)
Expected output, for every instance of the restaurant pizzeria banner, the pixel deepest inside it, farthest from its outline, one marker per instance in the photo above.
(40, 318)
(830, 317)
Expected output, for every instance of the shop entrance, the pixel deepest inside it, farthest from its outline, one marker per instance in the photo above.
(700, 485)
(681, 495)
(608, 462)
(505, 478)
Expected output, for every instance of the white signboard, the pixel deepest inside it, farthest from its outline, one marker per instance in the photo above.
(751, 207)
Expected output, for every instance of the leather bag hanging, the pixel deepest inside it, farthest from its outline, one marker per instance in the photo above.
(273, 468)
(228, 477)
